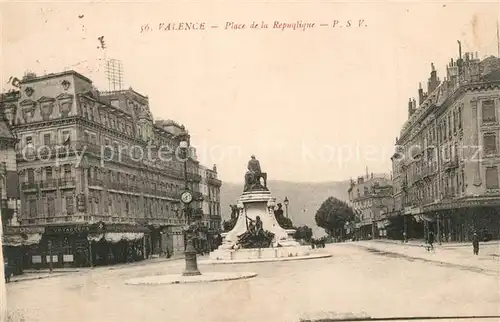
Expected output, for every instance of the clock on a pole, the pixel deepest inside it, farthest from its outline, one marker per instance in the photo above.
(186, 197)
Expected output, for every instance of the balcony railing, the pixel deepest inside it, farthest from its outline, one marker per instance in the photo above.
(214, 181)
(49, 184)
(197, 196)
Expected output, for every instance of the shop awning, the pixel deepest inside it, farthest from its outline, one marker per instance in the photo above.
(21, 239)
(117, 237)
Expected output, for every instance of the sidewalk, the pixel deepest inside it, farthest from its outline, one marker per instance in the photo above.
(33, 274)
(418, 242)
(442, 255)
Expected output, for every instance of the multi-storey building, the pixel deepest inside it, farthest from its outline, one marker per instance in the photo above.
(99, 179)
(8, 172)
(447, 155)
(372, 201)
(211, 218)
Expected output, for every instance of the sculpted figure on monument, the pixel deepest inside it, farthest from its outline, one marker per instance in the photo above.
(228, 225)
(254, 174)
(255, 236)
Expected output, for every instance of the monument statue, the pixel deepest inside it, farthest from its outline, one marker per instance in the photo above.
(255, 236)
(253, 176)
(228, 225)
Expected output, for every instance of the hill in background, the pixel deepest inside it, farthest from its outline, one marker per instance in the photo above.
(305, 198)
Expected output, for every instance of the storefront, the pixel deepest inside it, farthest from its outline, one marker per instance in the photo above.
(17, 244)
(76, 245)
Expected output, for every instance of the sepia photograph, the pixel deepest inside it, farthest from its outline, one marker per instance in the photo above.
(249, 161)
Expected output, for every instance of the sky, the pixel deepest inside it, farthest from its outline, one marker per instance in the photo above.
(316, 105)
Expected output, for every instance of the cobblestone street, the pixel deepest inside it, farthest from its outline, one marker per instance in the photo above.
(353, 281)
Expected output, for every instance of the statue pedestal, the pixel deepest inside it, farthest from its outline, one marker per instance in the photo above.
(258, 203)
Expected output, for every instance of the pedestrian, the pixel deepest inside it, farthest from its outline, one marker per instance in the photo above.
(430, 240)
(7, 271)
(475, 243)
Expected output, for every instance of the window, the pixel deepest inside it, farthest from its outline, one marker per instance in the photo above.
(91, 112)
(46, 139)
(66, 137)
(449, 125)
(460, 118)
(69, 205)
(31, 176)
(32, 208)
(29, 140)
(463, 181)
(67, 171)
(51, 207)
(492, 178)
(86, 137)
(490, 143)
(488, 111)
(48, 173)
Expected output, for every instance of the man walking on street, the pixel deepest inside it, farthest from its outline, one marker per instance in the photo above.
(475, 244)
(431, 240)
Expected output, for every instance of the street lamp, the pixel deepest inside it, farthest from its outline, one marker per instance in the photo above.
(286, 206)
(191, 268)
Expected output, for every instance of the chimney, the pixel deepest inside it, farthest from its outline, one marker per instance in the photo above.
(410, 108)
(433, 80)
(414, 104)
(420, 94)
(372, 175)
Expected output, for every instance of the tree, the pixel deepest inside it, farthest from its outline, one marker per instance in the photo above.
(333, 214)
(303, 232)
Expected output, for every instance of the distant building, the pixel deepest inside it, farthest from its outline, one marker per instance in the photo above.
(211, 218)
(372, 201)
(446, 165)
(95, 182)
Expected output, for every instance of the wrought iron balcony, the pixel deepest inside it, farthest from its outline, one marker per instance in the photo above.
(214, 181)
(29, 185)
(67, 182)
(49, 184)
(95, 182)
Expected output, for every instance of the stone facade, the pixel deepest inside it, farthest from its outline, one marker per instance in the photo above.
(210, 189)
(9, 195)
(447, 155)
(87, 156)
(372, 201)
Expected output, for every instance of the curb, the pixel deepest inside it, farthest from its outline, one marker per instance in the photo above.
(264, 260)
(179, 279)
(36, 278)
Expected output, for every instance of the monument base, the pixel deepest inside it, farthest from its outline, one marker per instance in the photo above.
(259, 253)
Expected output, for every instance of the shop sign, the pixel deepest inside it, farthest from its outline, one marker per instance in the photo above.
(23, 230)
(75, 229)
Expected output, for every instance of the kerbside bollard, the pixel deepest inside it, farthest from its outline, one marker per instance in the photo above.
(3, 292)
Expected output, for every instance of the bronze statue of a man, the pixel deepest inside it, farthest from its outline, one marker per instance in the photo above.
(254, 166)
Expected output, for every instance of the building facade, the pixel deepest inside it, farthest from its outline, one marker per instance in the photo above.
(447, 155)
(371, 199)
(99, 179)
(211, 218)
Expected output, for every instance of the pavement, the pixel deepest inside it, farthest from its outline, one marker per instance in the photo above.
(354, 282)
(34, 274)
(446, 254)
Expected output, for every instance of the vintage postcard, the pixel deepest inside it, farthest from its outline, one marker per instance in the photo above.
(249, 161)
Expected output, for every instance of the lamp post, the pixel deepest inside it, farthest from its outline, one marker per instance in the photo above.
(191, 268)
(286, 206)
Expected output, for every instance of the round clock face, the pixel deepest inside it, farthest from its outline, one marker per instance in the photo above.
(186, 197)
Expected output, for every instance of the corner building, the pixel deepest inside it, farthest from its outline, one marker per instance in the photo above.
(447, 155)
(372, 202)
(92, 183)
